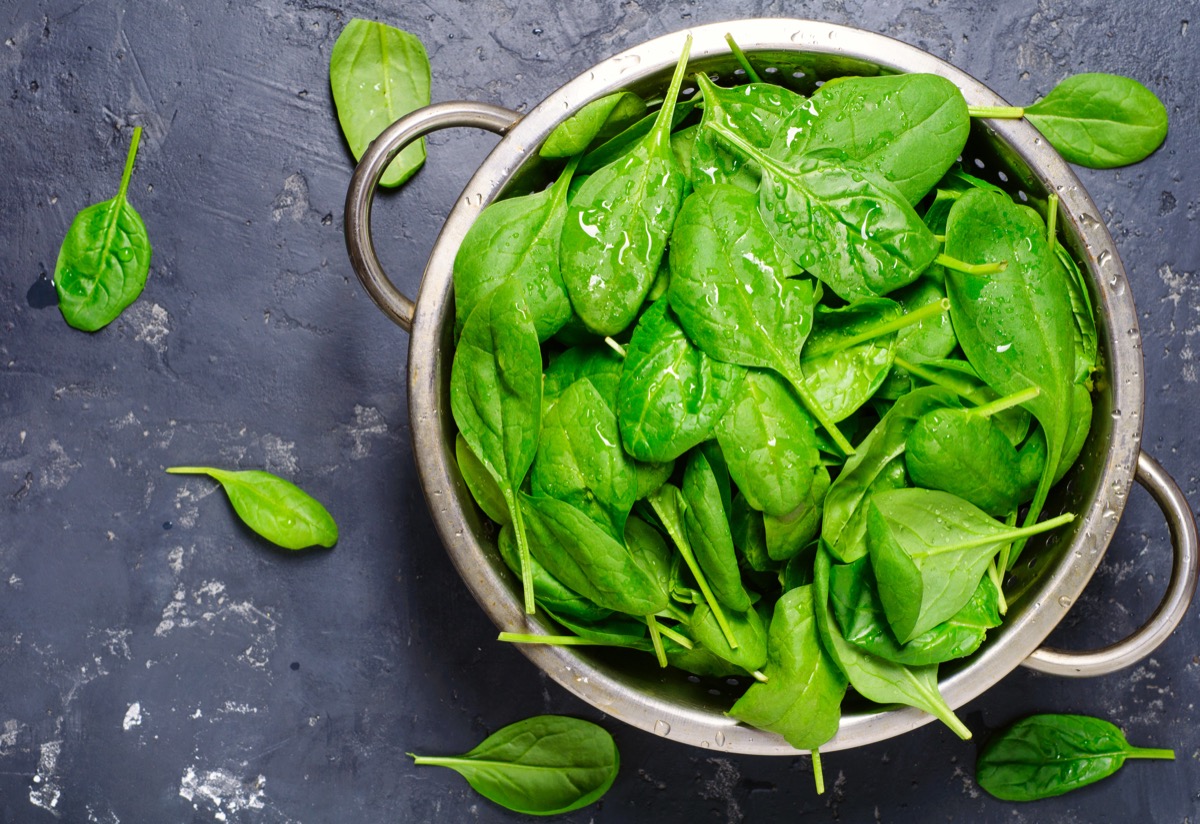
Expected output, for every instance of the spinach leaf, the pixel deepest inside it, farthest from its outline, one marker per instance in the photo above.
(671, 394)
(786, 535)
(276, 509)
(801, 698)
(104, 258)
(1086, 341)
(878, 464)
(580, 460)
(584, 556)
(749, 535)
(947, 447)
(1047, 755)
(378, 74)
(854, 596)
(517, 239)
(874, 678)
(931, 338)
(596, 122)
(599, 364)
(552, 594)
(545, 765)
(706, 522)
(991, 314)
(846, 224)
(496, 398)
(850, 353)
(481, 484)
(910, 128)
(756, 111)
(618, 223)
(731, 293)
(747, 627)
(930, 550)
(1100, 120)
(615, 630)
(770, 445)
(959, 377)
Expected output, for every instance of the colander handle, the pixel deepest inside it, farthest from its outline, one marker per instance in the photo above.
(1182, 587)
(394, 303)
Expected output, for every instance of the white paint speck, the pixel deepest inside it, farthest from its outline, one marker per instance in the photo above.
(46, 791)
(133, 716)
(278, 457)
(368, 424)
(58, 467)
(152, 323)
(222, 791)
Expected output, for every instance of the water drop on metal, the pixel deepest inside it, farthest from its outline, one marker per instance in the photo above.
(662, 728)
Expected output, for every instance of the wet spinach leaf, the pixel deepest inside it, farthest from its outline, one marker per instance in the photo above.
(104, 258)
(1047, 755)
(545, 765)
(551, 594)
(618, 223)
(910, 128)
(480, 482)
(706, 521)
(671, 393)
(378, 74)
(1101, 120)
(517, 239)
(756, 111)
(496, 398)
(275, 508)
(802, 696)
(929, 550)
(594, 123)
(748, 629)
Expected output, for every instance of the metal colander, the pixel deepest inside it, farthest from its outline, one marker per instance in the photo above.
(1053, 570)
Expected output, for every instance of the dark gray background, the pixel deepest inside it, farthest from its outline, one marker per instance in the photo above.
(159, 662)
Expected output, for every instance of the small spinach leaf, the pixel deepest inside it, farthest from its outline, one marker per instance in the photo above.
(276, 509)
(1100, 120)
(480, 482)
(545, 765)
(1047, 755)
(379, 74)
(756, 111)
(707, 523)
(104, 258)
(594, 123)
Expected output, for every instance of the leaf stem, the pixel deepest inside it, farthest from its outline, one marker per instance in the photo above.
(667, 113)
(689, 558)
(616, 347)
(1007, 402)
(1052, 219)
(1011, 535)
(957, 265)
(518, 522)
(997, 112)
(677, 637)
(742, 60)
(656, 640)
(818, 772)
(1151, 752)
(555, 640)
(796, 378)
(997, 582)
(760, 676)
(128, 173)
(879, 330)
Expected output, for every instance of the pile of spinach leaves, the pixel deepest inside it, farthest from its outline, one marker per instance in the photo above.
(766, 385)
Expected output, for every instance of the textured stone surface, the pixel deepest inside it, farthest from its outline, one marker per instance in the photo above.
(158, 662)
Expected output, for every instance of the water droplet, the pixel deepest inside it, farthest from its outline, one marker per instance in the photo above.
(662, 728)
(1064, 601)
(704, 745)
(1104, 258)
(1088, 221)
(720, 738)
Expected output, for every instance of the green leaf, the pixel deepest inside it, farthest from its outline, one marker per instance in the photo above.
(1100, 120)
(991, 315)
(801, 698)
(671, 393)
(707, 524)
(930, 550)
(580, 460)
(545, 765)
(276, 509)
(551, 594)
(586, 558)
(874, 678)
(496, 397)
(910, 128)
(756, 111)
(379, 74)
(878, 464)
(104, 258)
(596, 122)
(517, 239)
(787, 535)
(854, 596)
(747, 627)
(846, 224)
(1047, 755)
(770, 445)
(480, 482)
(848, 354)
(618, 223)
